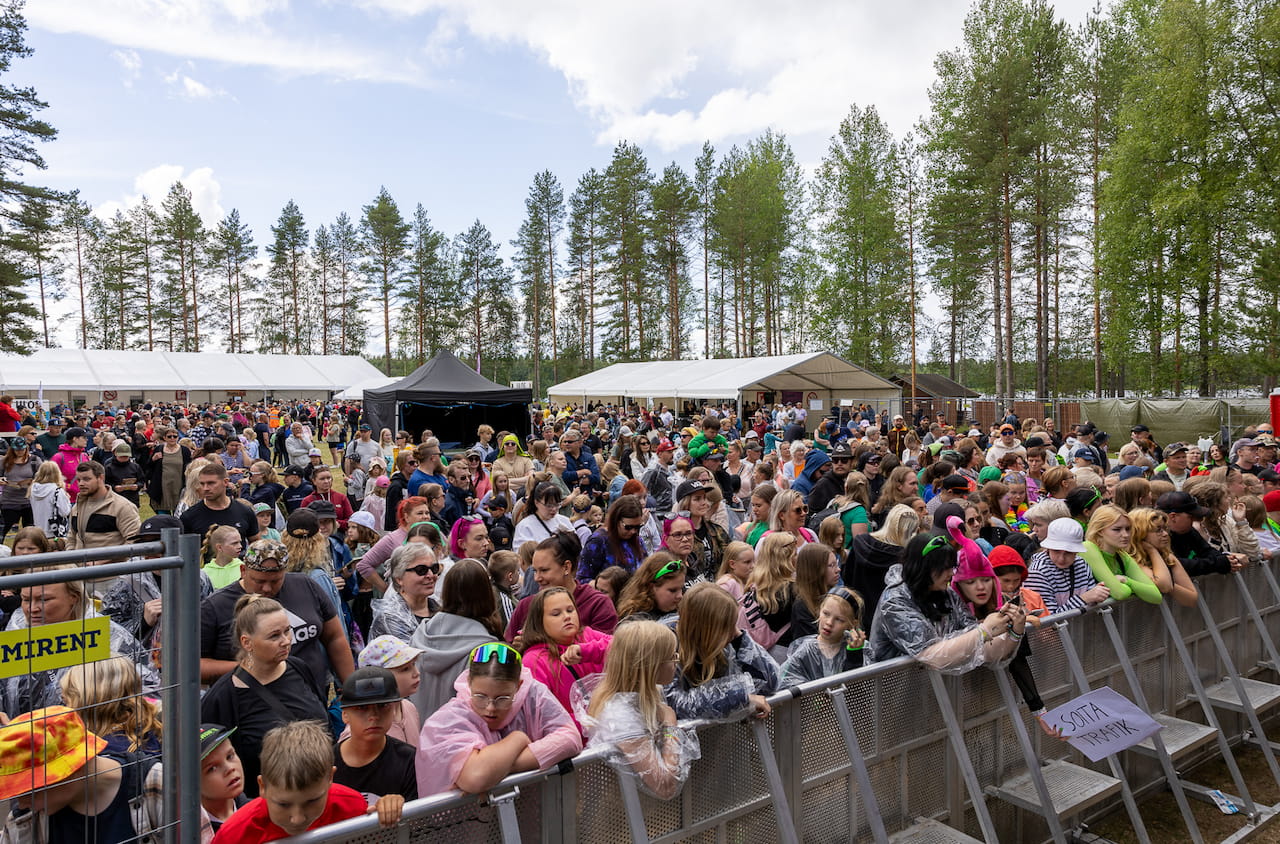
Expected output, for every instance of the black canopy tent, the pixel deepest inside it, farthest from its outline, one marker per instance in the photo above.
(450, 398)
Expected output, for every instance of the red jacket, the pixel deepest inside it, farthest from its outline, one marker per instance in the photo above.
(10, 420)
(339, 502)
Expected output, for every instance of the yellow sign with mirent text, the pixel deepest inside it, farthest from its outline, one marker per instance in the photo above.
(48, 646)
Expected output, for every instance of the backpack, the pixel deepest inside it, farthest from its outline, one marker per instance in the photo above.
(815, 521)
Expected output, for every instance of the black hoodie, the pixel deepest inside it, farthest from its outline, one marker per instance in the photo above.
(864, 570)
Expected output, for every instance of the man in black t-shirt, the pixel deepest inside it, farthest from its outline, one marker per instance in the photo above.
(318, 637)
(368, 760)
(217, 508)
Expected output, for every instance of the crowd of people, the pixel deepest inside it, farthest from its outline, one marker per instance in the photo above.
(389, 617)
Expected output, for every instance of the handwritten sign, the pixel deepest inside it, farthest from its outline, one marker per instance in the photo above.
(1101, 722)
(48, 646)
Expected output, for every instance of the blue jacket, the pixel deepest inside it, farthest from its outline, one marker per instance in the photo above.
(812, 460)
(584, 460)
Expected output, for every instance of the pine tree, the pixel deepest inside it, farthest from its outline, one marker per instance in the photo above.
(704, 184)
(486, 296)
(34, 238)
(626, 206)
(674, 207)
(586, 250)
(385, 236)
(281, 311)
(231, 249)
(353, 325)
(324, 266)
(182, 239)
(429, 277)
(146, 224)
(536, 260)
(78, 227)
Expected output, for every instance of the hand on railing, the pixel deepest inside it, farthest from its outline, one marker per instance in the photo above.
(388, 809)
(760, 706)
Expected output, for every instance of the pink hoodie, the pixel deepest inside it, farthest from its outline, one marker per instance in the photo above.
(971, 562)
(557, 676)
(67, 459)
(455, 731)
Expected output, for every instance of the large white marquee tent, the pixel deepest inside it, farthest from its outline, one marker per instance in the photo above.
(819, 379)
(94, 375)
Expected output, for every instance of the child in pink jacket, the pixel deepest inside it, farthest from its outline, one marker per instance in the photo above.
(501, 721)
(559, 651)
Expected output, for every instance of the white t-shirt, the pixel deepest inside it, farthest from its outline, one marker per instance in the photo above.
(534, 529)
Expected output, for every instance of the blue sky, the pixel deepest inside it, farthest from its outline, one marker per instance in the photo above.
(452, 103)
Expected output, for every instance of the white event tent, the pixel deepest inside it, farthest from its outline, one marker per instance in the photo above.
(94, 375)
(819, 379)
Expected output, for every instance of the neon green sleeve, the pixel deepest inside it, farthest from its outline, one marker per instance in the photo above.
(1139, 581)
(1102, 571)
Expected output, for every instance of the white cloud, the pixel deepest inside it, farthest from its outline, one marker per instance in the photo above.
(183, 86)
(206, 192)
(130, 62)
(674, 73)
(241, 32)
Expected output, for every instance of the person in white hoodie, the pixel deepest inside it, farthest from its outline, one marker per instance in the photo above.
(50, 504)
(467, 618)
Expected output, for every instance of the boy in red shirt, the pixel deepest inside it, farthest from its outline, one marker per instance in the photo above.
(297, 791)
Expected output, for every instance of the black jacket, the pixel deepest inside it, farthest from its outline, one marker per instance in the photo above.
(1197, 556)
(865, 568)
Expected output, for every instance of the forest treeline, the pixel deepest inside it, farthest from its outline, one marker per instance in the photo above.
(1083, 209)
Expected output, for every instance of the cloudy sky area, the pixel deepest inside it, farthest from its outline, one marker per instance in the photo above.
(451, 103)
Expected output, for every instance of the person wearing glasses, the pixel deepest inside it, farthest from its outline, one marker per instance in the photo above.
(501, 721)
(168, 465)
(921, 616)
(413, 576)
(616, 542)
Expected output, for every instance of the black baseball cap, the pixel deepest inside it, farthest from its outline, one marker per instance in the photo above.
(1181, 502)
(291, 470)
(152, 527)
(212, 735)
(323, 509)
(689, 488)
(369, 685)
(955, 483)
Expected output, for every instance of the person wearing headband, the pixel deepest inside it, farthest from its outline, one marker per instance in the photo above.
(500, 721)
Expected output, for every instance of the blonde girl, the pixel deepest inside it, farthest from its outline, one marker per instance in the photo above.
(221, 555)
(191, 489)
(1106, 550)
(734, 573)
(787, 514)
(835, 647)
(50, 504)
(108, 695)
(831, 534)
(1149, 546)
(721, 670)
(768, 601)
(624, 710)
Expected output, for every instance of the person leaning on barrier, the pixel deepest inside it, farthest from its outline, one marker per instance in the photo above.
(623, 710)
(54, 603)
(1195, 553)
(922, 617)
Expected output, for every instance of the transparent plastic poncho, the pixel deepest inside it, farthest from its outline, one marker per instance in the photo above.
(659, 759)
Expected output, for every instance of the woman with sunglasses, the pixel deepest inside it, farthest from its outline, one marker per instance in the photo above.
(398, 488)
(554, 563)
(168, 467)
(501, 721)
(616, 542)
(787, 514)
(468, 617)
(513, 461)
(921, 616)
(654, 592)
(414, 572)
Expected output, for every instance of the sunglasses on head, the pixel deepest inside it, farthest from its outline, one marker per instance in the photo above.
(673, 567)
(500, 651)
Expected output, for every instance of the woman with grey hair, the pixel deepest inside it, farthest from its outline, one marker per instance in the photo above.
(414, 571)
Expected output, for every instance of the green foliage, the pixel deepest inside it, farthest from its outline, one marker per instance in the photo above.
(385, 236)
(536, 245)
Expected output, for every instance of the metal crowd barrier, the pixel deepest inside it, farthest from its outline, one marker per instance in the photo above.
(895, 750)
(179, 560)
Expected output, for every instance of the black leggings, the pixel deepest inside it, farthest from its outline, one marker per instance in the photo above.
(13, 517)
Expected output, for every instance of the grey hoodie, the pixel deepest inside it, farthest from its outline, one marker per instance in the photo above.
(446, 641)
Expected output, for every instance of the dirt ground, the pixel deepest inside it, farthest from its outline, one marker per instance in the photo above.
(1164, 821)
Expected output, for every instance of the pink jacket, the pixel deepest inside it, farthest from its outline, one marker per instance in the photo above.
(559, 678)
(67, 459)
(455, 731)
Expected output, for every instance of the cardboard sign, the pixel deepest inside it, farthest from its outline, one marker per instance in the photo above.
(1101, 722)
(33, 406)
(48, 646)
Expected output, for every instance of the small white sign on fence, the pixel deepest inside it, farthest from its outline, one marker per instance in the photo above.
(1101, 722)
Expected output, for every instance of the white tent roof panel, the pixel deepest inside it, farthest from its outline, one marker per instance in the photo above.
(726, 378)
(356, 391)
(96, 370)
